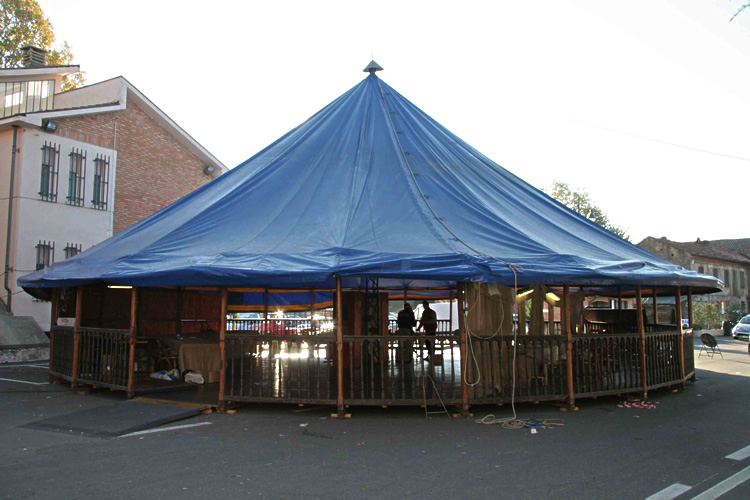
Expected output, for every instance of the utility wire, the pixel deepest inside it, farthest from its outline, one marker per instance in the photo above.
(659, 141)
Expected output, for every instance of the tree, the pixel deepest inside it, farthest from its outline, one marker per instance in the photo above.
(707, 316)
(579, 201)
(22, 22)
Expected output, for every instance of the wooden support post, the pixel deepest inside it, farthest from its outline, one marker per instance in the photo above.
(582, 319)
(450, 311)
(521, 318)
(619, 304)
(178, 326)
(642, 339)
(690, 320)
(678, 319)
(656, 309)
(222, 350)
(52, 325)
(76, 338)
(464, 355)
(340, 409)
(568, 332)
(131, 353)
(312, 311)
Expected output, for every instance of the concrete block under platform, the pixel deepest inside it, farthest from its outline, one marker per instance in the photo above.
(115, 420)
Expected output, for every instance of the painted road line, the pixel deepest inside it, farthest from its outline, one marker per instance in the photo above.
(725, 485)
(670, 492)
(165, 429)
(24, 381)
(740, 454)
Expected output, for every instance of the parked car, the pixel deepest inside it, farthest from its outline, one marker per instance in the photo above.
(741, 330)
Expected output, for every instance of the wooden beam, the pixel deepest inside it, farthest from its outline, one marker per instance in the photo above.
(450, 313)
(340, 410)
(53, 324)
(521, 317)
(178, 328)
(678, 318)
(76, 337)
(464, 355)
(222, 349)
(568, 331)
(312, 311)
(133, 328)
(582, 319)
(642, 339)
(265, 305)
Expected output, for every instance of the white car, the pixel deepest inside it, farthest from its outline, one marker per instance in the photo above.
(741, 330)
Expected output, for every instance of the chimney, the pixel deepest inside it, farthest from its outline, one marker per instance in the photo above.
(34, 57)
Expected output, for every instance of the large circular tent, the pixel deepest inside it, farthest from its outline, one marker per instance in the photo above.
(367, 201)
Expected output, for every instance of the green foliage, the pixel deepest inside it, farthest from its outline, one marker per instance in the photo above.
(707, 316)
(22, 22)
(580, 201)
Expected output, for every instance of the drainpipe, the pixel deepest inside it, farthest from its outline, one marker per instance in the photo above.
(10, 219)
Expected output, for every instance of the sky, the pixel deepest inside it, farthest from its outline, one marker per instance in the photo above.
(644, 104)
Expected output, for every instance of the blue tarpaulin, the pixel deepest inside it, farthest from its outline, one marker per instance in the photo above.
(370, 186)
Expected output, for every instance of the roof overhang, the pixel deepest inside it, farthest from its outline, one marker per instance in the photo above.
(35, 119)
(26, 73)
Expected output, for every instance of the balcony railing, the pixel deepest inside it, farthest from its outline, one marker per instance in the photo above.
(26, 97)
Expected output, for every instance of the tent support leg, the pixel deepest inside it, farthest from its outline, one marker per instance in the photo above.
(131, 350)
(340, 409)
(222, 350)
(76, 338)
(464, 357)
(642, 340)
(571, 402)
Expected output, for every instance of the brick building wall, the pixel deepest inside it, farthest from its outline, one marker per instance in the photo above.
(153, 168)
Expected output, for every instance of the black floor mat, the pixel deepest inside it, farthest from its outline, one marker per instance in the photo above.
(114, 420)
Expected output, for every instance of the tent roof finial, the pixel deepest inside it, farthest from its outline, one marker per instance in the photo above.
(372, 67)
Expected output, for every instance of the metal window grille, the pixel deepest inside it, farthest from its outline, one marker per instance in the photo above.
(26, 97)
(50, 167)
(45, 254)
(77, 177)
(101, 182)
(72, 249)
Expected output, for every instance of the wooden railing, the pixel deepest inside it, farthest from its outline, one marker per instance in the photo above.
(606, 364)
(279, 368)
(688, 346)
(402, 369)
(376, 370)
(286, 326)
(540, 372)
(663, 359)
(444, 325)
(103, 357)
(61, 354)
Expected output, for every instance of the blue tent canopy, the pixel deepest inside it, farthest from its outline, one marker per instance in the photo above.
(370, 186)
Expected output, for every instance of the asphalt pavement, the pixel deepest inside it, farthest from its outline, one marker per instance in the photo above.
(678, 449)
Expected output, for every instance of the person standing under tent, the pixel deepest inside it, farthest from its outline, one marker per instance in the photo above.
(406, 322)
(429, 323)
